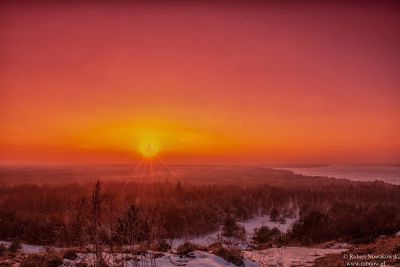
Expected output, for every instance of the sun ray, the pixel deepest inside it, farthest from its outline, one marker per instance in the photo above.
(151, 167)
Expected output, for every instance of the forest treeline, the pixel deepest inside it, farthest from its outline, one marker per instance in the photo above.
(123, 212)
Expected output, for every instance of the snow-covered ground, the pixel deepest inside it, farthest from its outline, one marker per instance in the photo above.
(205, 259)
(204, 241)
(284, 257)
(27, 249)
(259, 221)
(248, 225)
(288, 256)
(196, 258)
(201, 259)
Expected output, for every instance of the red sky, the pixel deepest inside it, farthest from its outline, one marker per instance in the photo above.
(200, 81)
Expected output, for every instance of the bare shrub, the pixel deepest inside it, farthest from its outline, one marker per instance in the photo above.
(3, 250)
(274, 214)
(231, 228)
(15, 246)
(53, 260)
(188, 247)
(33, 260)
(70, 254)
(263, 234)
(96, 223)
(215, 246)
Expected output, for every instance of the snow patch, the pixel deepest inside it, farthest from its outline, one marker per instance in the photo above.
(289, 256)
(249, 225)
(204, 241)
(260, 221)
(340, 245)
(27, 249)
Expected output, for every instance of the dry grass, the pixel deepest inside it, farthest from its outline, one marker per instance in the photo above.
(382, 246)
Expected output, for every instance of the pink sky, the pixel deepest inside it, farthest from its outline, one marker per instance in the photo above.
(204, 82)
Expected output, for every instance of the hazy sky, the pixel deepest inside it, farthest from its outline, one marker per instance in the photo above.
(200, 81)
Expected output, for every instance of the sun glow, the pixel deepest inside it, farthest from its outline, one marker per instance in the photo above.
(149, 151)
(149, 147)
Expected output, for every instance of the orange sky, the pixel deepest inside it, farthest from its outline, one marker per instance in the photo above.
(202, 82)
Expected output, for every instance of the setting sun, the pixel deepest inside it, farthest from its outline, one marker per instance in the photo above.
(148, 151)
(149, 146)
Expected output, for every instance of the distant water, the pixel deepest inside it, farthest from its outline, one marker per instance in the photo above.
(389, 174)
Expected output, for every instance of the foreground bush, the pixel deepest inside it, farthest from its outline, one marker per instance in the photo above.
(263, 234)
(53, 261)
(188, 247)
(70, 254)
(33, 261)
(162, 246)
(36, 260)
(3, 250)
(15, 246)
(232, 229)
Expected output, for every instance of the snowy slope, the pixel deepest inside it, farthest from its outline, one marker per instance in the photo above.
(202, 259)
(27, 249)
(196, 258)
(248, 225)
(259, 221)
(289, 256)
